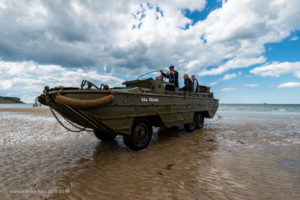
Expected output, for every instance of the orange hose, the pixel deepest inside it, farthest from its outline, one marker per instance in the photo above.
(78, 103)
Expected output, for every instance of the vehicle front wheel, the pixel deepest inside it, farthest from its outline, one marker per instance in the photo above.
(104, 136)
(141, 135)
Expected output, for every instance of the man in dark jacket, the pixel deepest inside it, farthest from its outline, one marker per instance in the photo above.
(188, 84)
(172, 76)
(195, 84)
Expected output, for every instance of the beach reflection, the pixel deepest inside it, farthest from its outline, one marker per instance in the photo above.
(171, 168)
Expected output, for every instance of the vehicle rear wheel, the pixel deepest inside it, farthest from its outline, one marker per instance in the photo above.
(200, 120)
(104, 136)
(141, 135)
(191, 126)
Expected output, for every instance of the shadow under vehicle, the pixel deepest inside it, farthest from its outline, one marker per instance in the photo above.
(130, 111)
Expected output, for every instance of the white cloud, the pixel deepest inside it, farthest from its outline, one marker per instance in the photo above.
(213, 83)
(228, 76)
(294, 38)
(289, 85)
(27, 79)
(127, 35)
(251, 85)
(245, 26)
(228, 89)
(276, 69)
(183, 4)
(233, 64)
(225, 78)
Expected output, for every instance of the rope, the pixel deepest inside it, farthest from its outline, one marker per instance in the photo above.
(60, 122)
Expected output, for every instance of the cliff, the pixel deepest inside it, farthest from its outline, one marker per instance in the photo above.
(10, 100)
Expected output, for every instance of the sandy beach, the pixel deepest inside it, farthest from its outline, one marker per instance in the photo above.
(237, 155)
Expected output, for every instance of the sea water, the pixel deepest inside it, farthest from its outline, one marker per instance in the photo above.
(260, 107)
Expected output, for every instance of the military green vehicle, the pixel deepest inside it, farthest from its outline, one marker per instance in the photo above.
(130, 111)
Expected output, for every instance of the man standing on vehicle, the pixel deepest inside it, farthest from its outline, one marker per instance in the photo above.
(188, 84)
(195, 84)
(172, 76)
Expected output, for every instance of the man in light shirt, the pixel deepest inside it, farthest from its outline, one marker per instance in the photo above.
(195, 84)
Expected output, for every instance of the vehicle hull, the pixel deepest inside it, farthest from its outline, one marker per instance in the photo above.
(162, 110)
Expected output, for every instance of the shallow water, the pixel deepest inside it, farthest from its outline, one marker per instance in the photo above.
(237, 155)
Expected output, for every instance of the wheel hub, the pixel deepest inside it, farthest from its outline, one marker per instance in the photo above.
(140, 133)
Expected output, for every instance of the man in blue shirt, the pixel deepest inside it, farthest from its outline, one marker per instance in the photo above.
(172, 76)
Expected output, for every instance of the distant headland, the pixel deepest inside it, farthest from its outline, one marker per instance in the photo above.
(10, 100)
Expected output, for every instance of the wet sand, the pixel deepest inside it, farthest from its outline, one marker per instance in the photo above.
(237, 155)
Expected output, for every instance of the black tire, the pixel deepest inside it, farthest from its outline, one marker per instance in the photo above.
(141, 135)
(200, 120)
(191, 126)
(104, 136)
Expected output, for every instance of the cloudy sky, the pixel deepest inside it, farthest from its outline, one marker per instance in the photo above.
(248, 51)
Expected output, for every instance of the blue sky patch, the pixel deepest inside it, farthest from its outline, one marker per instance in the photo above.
(196, 15)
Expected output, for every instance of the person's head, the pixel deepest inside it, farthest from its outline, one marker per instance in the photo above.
(185, 76)
(171, 68)
(159, 78)
(193, 77)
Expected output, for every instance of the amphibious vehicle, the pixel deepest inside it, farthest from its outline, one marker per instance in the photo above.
(130, 111)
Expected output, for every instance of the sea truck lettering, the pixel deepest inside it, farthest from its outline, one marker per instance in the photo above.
(145, 99)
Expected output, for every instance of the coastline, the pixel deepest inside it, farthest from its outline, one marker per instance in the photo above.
(10, 100)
